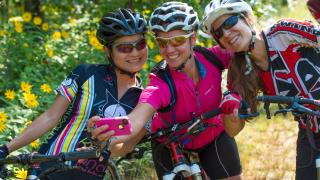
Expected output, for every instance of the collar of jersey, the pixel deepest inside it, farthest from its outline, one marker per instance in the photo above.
(201, 68)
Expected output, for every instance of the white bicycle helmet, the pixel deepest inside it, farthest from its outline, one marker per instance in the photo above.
(173, 15)
(218, 8)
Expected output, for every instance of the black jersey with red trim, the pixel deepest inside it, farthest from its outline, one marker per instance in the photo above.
(294, 60)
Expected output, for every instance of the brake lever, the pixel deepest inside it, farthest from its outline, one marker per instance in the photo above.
(283, 111)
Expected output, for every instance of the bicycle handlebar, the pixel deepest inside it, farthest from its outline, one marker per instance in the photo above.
(288, 100)
(191, 125)
(32, 158)
(295, 105)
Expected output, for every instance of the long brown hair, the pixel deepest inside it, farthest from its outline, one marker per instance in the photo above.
(248, 86)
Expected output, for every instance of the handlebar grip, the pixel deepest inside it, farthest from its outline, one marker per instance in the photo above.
(74, 156)
(276, 99)
(211, 114)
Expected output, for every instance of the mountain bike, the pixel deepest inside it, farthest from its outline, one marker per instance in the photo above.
(33, 160)
(299, 107)
(185, 161)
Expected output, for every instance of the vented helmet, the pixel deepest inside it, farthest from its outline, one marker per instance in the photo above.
(122, 22)
(172, 16)
(218, 8)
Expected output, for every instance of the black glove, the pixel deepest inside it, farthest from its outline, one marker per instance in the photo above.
(4, 151)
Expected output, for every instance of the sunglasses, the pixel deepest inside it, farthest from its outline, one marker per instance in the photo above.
(128, 47)
(174, 41)
(227, 24)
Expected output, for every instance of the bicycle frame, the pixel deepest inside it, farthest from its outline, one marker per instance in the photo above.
(33, 160)
(189, 168)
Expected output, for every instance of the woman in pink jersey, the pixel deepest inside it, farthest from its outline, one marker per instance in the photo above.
(198, 86)
(285, 61)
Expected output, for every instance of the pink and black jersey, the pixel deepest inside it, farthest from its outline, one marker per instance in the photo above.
(294, 60)
(192, 99)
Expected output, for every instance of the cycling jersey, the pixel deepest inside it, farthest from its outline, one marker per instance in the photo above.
(91, 90)
(294, 54)
(192, 99)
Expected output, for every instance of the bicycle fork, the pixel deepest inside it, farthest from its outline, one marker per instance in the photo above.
(180, 162)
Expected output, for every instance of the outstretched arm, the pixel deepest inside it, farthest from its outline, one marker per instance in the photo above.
(44, 123)
(138, 118)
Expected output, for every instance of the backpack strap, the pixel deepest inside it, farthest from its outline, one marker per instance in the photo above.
(161, 69)
(210, 56)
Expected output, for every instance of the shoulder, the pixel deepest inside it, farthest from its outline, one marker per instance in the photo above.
(293, 26)
(223, 55)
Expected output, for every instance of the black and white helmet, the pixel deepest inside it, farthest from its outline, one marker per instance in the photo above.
(121, 22)
(172, 16)
(218, 8)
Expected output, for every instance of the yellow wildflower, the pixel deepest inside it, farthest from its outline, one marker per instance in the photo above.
(95, 43)
(72, 20)
(35, 144)
(21, 173)
(31, 100)
(37, 20)
(65, 34)
(10, 94)
(27, 17)
(3, 117)
(50, 53)
(46, 88)
(158, 58)
(145, 66)
(45, 26)
(201, 44)
(209, 43)
(25, 87)
(150, 44)
(18, 27)
(146, 12)
(56, 35)
(3, 127)
(2, 33)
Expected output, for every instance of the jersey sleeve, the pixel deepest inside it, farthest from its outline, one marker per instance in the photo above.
(224, 55)
(70, 85)
(157, 93)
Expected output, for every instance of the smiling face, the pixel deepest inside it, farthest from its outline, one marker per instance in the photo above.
(237, 37)
(178, 46)
(129, 52)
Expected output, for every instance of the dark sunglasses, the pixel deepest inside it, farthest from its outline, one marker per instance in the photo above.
(227, 24)
(128, 47)
(175, 41)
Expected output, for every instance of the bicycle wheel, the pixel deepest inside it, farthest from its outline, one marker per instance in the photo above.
(112, 172)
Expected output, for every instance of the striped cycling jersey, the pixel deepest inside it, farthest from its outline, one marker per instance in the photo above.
(91, 90)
